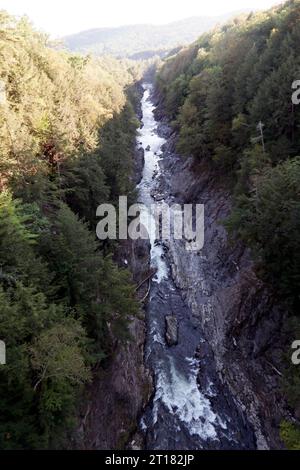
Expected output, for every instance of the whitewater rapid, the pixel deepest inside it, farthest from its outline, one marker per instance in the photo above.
(182, 414)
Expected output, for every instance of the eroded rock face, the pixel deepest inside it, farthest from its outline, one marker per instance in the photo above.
(171, 330)
(122, 387)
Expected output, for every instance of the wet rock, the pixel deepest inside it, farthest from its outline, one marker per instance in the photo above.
(137, 442)
(171, 330)
(139, 162)
(203, 352)
(165, 248)
(116, 397)
(158, 197)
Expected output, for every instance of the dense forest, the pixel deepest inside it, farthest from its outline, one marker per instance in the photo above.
(63, 121)
(68, 128)
(229, 97)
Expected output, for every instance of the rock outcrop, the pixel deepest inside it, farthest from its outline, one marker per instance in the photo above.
(139, 163)
(171, 330)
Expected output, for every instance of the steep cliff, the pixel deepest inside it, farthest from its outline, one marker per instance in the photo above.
(122, 388)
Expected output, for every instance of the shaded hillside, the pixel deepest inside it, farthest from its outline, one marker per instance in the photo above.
(142, 41)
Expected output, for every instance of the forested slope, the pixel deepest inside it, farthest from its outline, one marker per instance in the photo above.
(65, 124)
(229, 96)
(142, 41)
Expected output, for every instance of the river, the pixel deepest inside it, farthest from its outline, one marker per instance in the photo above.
(190, 409)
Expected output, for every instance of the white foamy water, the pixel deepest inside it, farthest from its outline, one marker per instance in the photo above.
(152, 145)
(176, 389)
(181, 396)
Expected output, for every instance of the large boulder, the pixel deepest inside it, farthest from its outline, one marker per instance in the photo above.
(171, 330)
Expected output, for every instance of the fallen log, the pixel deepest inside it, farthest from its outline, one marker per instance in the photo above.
(147, 279)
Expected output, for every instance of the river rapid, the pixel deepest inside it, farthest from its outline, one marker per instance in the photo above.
(190, 409)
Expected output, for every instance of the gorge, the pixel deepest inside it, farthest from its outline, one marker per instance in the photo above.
(164, 342)
(183, 414)
(195, 403)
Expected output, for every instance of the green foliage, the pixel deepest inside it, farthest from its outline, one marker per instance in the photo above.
(117, 139)
(24, 314)
(58, 360)
(85, 186)
(18, 261)
(221, 87)
(269, 221)
(89, 282)
(290, 434)
(67, 134)
(55, 102)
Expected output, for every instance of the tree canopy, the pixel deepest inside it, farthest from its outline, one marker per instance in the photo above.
(67, 134)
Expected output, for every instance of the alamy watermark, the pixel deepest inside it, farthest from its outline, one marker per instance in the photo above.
(296, 354)
(296, 94)
(157, 222)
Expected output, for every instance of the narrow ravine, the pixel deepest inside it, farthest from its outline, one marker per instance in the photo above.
(190, 409)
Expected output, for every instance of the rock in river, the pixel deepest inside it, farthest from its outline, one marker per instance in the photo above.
(171, 330)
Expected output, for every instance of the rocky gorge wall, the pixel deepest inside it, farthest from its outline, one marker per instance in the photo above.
(237, 312)
(121, 387)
